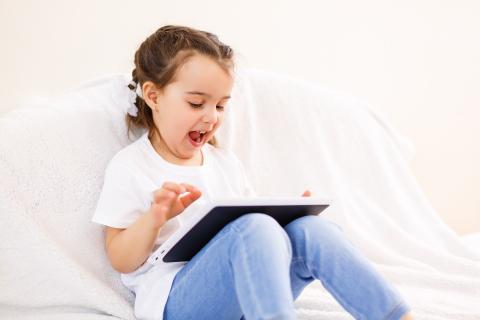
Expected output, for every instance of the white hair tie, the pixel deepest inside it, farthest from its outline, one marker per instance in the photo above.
(133, 94)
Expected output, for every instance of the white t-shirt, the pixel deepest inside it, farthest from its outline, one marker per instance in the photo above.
(131, 177)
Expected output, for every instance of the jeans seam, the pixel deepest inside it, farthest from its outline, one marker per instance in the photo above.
(295, 260)
(247, 269)
(326, 284)
(394, 309)
(331, 290)
(257, 310)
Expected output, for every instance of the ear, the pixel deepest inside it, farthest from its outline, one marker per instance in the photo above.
(150, 94)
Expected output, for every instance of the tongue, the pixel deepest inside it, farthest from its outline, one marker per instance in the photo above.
(194, 135)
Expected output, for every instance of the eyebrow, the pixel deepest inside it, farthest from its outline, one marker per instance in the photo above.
(205, 94)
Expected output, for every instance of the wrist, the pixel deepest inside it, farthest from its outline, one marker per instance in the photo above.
(155, 219)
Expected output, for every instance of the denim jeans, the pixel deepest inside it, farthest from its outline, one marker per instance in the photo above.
(255, 269)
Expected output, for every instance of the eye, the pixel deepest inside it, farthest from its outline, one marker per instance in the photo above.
(198, 106)
(194, 105)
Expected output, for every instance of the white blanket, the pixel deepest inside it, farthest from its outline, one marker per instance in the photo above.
(290, 134)
(337, 146)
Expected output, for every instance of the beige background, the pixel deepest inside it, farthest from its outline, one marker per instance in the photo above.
(416, 62)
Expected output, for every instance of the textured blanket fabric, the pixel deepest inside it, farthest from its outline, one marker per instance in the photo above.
(291, 135)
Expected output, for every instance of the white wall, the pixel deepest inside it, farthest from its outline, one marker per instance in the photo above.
(416, 62)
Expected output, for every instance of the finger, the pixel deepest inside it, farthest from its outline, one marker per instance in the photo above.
(164, 195)
(175, 187)
(190, 197)
(164, 198)
(189, 187)
(168, 190)
(306, 194)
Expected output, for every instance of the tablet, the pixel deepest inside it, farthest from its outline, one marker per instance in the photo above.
(189, 239)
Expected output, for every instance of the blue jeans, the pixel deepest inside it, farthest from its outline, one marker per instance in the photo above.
(255, 269)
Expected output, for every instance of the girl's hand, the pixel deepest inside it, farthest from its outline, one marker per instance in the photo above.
(167, 202)
(306, 194)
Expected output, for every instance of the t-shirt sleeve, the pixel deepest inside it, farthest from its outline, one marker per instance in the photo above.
(120, 203)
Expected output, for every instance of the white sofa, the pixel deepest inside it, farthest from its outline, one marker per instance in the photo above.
(291, 135)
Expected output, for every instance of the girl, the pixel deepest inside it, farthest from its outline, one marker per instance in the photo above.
(253, 268)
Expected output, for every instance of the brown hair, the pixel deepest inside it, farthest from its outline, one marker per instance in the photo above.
(160, 56)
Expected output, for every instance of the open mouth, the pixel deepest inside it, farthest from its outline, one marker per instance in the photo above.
(197, 137)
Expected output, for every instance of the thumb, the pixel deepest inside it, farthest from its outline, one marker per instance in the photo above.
(306, 193)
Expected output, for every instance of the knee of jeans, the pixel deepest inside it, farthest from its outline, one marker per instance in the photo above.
(315, 225)
(262, 228)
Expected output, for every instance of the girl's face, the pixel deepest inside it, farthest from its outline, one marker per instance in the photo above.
(189, 110)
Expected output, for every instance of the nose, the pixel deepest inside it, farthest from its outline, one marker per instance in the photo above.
(210, 115)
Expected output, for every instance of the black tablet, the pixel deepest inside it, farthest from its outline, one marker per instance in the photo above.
(191, 238)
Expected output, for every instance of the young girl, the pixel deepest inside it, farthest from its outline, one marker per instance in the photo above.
(253, 268)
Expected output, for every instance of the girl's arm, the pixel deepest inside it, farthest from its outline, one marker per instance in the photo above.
(128, 248)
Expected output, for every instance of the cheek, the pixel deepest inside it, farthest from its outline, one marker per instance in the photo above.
(218, 123)
(177, 119)
(172, 127)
